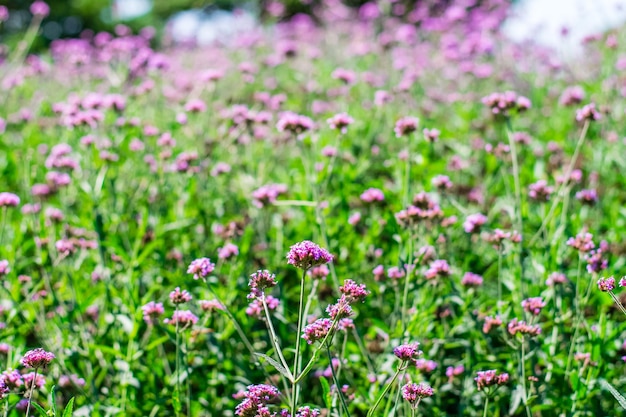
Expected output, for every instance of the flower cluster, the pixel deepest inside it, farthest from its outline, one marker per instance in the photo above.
(306, 255)
(583, 242)
(408, 352)
(521, 327)
(255, 400)
(413, 392)
(37, 358)
(533, 305)
(201, 268)
(486, 379)
(259, 282)
(503, 103)
(405, 126)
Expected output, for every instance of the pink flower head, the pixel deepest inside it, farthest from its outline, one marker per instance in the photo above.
(583, 242)
(491, 322)
(406, 126)
(472, 280)
(588, 112)
(408, 353)
(210, 305)
(622, 282)
(438, 268)
(426, 366)
(572, 95)
(294, 123)
(340, 122)
(182, 318)
(556, 278)
(372, 195)
(37, 358)
(606, 284)
(474, 222)
(414, 392)
(179, 297)
(259, 282)
(587, 196)
(201, 268)
(503, 103)
(317, 330)
(306, 255)
(353, 291)
(267, 194)
(533, 305)
(486, 379)
(431, 135)
(346, 76)
(40, 9)
(540, 191)
(4, 16)
(520, 327)
(442, 182)
(228, 251)
(4, 267)
(9, 200)
(152, 311)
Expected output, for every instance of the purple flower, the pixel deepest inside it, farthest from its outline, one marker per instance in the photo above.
(408, 353)
(201, 268)
(340, 122)
(9, 200)
(317, 330)
(294, 123)
(40, 9)
(260, 281)
(472, 280)
(372, 195)
(152, 311)
(228, 251)
(474, 222)
(413, 393)
(306, 255)
(533, 305)
(184, 319)
(37, 358)
(4, 16)
(353, 291)
(486, 379)
(4, 267)
(179, 297)
(588, 112)
(607, 284)
(405, 126)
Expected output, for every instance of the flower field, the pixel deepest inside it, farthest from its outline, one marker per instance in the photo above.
(379, 211)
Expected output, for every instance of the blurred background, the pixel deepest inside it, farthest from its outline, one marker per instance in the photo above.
(204, 21)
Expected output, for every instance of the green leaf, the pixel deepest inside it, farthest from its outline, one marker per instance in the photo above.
(176, 402)
(276, 366)
(53, 400)
(619, 397)
(326, 393)
(69, 408)
(39, 408)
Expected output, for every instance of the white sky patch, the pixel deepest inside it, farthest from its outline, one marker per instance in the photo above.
(543, 20)
(130, 9)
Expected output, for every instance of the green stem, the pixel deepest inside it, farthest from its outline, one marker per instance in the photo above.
(177, 404)
(405, 295)
(499, 306)
(486, 406)
(577, 313)
(618, 302)
(30, 394)
(566, 180)
(274, 338)
(296, 362)
(336, 381)
(523, 366)
(232, 318)
(387, 388)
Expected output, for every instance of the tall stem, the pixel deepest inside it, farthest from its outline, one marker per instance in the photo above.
(336, 381)
(30, 394)
(523, 366)
(618, 302)
(296, 362)
(177, 403)
(232, 318)
(274, 338)
(564, 185)
(499, 306)
(486, 406)
(405, 295)
(387, 388)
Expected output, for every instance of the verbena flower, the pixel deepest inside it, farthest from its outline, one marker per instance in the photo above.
(533, 305)
(486, 379)
(607, 284)
(260, 281)
(201, 268)
(306, 255)
(179, 297)
(413, 392)
(408, 352)
(152, 311)
(37, 358)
